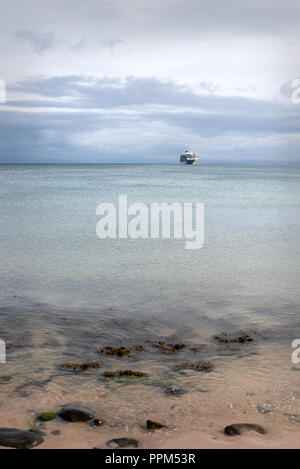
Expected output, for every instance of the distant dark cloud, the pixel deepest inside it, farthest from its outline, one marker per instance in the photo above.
(142, 119)
(39, 42)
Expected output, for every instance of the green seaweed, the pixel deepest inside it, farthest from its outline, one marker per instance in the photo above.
(46, 416)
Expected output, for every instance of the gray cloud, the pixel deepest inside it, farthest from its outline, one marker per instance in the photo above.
(143, 119)
(39, 42)
(113, 81)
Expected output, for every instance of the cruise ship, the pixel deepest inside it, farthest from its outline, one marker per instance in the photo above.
(188, 157)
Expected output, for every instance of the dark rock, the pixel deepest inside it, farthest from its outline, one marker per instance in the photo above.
(19, 439)
(123, 443)
(55, 432)
(5, 379)
(263, 410)
(240, 428)
(73, 413)
(97, 422)
(151, 425)
(173, 391)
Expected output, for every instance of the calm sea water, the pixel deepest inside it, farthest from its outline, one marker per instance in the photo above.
(65, 293)
(50, 251)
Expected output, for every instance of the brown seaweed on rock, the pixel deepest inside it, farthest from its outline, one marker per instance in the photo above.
(199, 366)
(124, 373)
(168, 348)
(117, 351)
(81, 366)
(225, 338)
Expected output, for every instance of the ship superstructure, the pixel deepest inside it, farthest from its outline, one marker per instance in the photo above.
(188, 157)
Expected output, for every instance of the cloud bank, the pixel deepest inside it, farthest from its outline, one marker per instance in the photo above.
(140, 81)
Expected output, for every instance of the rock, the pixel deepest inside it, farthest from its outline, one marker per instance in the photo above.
(117, 351)
(199, 366)
(110, 374)
(131, 373)
(169, 348)
(173, 391)
(81, 366)
(151, 425)
(5, 379)
(55, 432)
(123, 443)
(241, 338)
(264, 410)
(37, 430)
(73, 413)
(19, 439)
(293, 417)
(240, 428)
(97, 422)
(46, 416)
(125, 374)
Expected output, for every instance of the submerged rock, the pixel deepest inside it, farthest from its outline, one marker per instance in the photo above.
(81, 366)
(97, 422)
(169, 348)
(117, 351)
(151, 425)
(46, 416)
(125, 373)
(37, 430)
(123, 443)
(5, 379)
(240, 428)
(73, 413)
(264, 410)
(225, 338)
(199, 366)
(173, 391)
(19, 439)
(293, 417)
(130, 373)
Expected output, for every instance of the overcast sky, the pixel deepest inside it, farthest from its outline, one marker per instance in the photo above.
(143, 80)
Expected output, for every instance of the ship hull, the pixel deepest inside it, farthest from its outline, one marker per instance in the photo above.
(188, 158)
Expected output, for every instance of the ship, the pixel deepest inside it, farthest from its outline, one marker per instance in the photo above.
(188, 157)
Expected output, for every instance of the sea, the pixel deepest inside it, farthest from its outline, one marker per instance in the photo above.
(66, 294)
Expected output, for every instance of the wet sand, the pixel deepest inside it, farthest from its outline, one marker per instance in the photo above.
(251, 382)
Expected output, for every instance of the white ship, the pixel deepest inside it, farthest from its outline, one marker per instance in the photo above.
(188, 157)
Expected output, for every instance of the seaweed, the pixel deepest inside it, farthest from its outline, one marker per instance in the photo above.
(168, 348)
(238, 339)
(199, 366)
(81, 366)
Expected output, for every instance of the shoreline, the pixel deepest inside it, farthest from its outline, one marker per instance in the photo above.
(76, 439)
